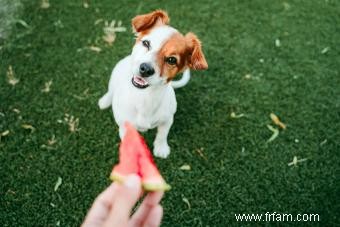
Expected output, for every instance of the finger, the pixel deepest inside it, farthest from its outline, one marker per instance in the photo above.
(126, 197)
(154, 218)
(150, 201)
(101, 207)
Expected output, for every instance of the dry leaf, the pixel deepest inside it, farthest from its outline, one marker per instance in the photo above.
(51, 141)
(323, 142)
(200, 152)
(275, 133)
(296, 161)
(47, 87)
(247, 76)
(234, 115)
(95, 49)
(45, 4)
(277, 43)
(110, 30)
(325, 50)
(27, 126)
(23, 23)
(109, 38)
(185, 167)
(16, 110)
(58, 183)
(10, 76)
(72, 122)
(186, 201)
(98, 21)
(5, 133)
(277, 121)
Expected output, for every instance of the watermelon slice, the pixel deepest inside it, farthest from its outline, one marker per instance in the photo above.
(135, 157)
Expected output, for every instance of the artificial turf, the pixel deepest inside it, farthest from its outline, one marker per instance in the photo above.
(264, 56)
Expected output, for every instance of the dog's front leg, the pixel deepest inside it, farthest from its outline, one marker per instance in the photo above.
(161, 148)
(121, 131)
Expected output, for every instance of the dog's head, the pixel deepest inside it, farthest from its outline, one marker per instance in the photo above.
(161, 52)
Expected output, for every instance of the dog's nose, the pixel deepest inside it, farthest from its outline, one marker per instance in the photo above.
(146, 70)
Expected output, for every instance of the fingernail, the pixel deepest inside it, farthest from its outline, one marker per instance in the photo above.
(132, 181)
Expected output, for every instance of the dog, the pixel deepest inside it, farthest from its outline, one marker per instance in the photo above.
(141, 87)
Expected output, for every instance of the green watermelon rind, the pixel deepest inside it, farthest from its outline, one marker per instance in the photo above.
(146, 186)
(151, 187)
(117, 177)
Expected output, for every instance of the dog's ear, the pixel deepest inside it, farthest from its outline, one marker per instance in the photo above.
(196, 59)
(146, 21)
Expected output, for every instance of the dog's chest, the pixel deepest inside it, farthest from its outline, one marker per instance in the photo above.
(151, 111)
(145, 109)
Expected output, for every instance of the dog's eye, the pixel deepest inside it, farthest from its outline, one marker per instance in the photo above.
(171, 60)
(146, 43)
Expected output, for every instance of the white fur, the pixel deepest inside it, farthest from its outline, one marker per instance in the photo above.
(147, 108)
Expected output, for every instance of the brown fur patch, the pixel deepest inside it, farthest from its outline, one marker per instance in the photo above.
(147, 21)
(197, 60)
(175, 46)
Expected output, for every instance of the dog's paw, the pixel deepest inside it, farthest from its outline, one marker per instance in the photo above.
(161, 150)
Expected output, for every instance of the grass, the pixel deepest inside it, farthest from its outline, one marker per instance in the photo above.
(233, 169)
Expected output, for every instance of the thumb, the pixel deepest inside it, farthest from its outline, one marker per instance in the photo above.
(126, 197)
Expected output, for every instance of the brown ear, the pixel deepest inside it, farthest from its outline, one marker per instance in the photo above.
(147, 21)
(196, 59)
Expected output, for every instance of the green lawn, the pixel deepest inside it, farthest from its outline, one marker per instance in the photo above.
(264, 56)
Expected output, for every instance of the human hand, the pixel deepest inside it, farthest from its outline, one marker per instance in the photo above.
(112, 208)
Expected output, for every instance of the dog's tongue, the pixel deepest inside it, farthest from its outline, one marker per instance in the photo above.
(140, 80)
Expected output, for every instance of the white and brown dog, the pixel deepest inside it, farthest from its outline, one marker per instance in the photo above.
(141, 89)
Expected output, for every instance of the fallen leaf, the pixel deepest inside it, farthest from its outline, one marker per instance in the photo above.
(109, 38)
(296, 161)
(5, 133)
(47, 147)
(185, 200)
(95, 49)
(23, 23)
(16, 110)
(277, 43)
(58, 183)
(27, 126)
(51, 141)
(323, 142)
(247, 76)
(47, 87)
(45, 4)
(200, 152)
(185, 167)
(277, 121)
(110, 30)
(98, 21)
(10, 76)
(72, 122)
(325, 50)
(275, 133)
(58, 24)
(234, 115)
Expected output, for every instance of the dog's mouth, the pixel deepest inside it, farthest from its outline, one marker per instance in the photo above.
(139, 82)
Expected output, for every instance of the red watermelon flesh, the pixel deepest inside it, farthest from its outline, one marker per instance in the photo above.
(135, 157)
(128, 157)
